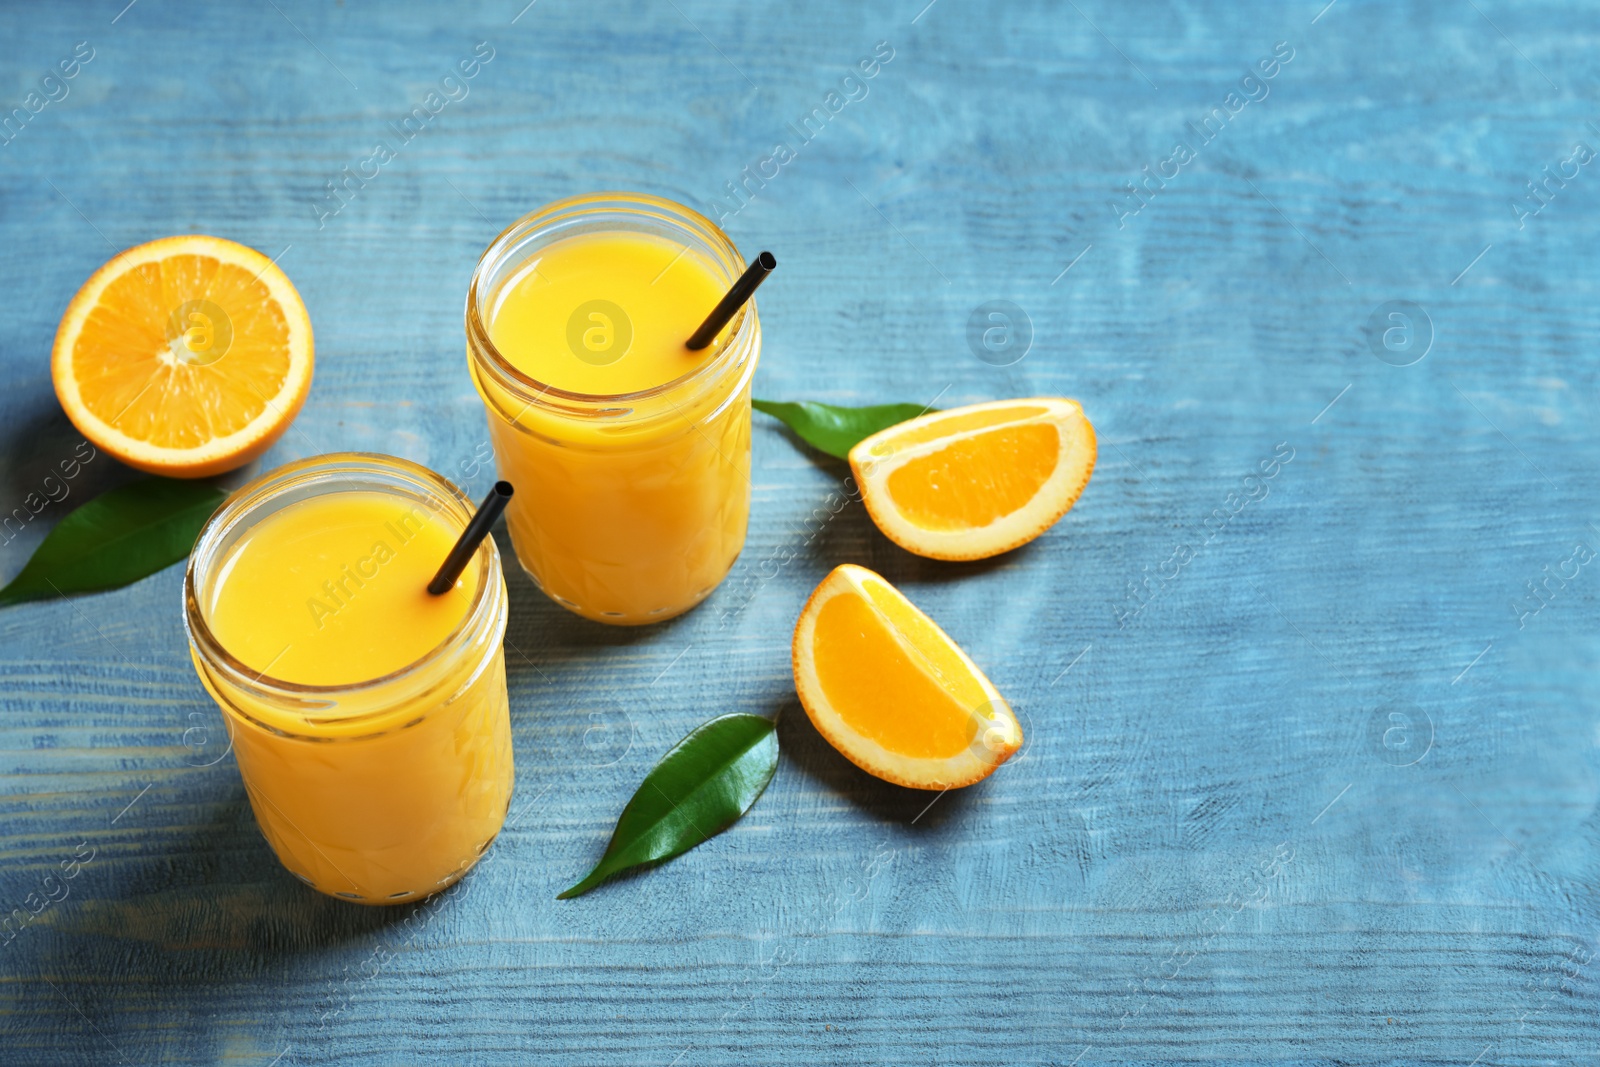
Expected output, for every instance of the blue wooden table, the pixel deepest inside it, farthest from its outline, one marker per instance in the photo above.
(1312, 759)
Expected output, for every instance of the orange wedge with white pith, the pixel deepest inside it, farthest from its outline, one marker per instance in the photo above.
(892, 692)
(187, 356)
(973, 482)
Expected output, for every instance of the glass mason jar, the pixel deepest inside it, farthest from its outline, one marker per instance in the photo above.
(630, 507)
(385, 790)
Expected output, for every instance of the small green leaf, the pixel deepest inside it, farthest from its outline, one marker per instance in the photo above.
(698, 790)
(116, 538)
(835, 429)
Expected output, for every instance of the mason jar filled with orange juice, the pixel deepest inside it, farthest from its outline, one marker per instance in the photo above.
(630, 452)
(369, 717)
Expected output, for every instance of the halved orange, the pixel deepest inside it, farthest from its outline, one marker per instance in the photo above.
(972, 482)
(892, 692)
(187, 356)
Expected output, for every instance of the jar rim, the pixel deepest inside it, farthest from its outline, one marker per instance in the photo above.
(244, 500)
(482, 348)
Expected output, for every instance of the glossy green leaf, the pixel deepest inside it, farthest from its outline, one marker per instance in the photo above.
(116, 538)
(835, 429)
(698, 790)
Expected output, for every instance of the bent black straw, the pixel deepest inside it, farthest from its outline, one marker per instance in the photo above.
(470, 538)
(742, 290)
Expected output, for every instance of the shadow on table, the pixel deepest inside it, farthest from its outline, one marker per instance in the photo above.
(817, 759)
(46, 470)
(216, 886)
(575, 684)
(157, 922)
(539, 628)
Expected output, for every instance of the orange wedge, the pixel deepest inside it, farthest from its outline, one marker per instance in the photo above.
(187, 356)
(892, 692)
(973, 482)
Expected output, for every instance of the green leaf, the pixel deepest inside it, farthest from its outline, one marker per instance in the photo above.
(116, 538)
(835, 429)
(698, 790)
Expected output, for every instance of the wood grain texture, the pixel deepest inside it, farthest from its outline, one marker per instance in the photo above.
(1092, 902)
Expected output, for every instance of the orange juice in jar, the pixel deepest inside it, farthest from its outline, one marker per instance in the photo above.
(369, 718)
(630, 453)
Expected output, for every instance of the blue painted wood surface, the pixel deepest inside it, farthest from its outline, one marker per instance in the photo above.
(1219, 843)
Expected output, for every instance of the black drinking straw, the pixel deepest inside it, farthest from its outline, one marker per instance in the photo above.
(742, 290)
(471, 538)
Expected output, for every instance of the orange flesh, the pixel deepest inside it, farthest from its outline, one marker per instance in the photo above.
(135, 372)
(977, 479)
(886, 693)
